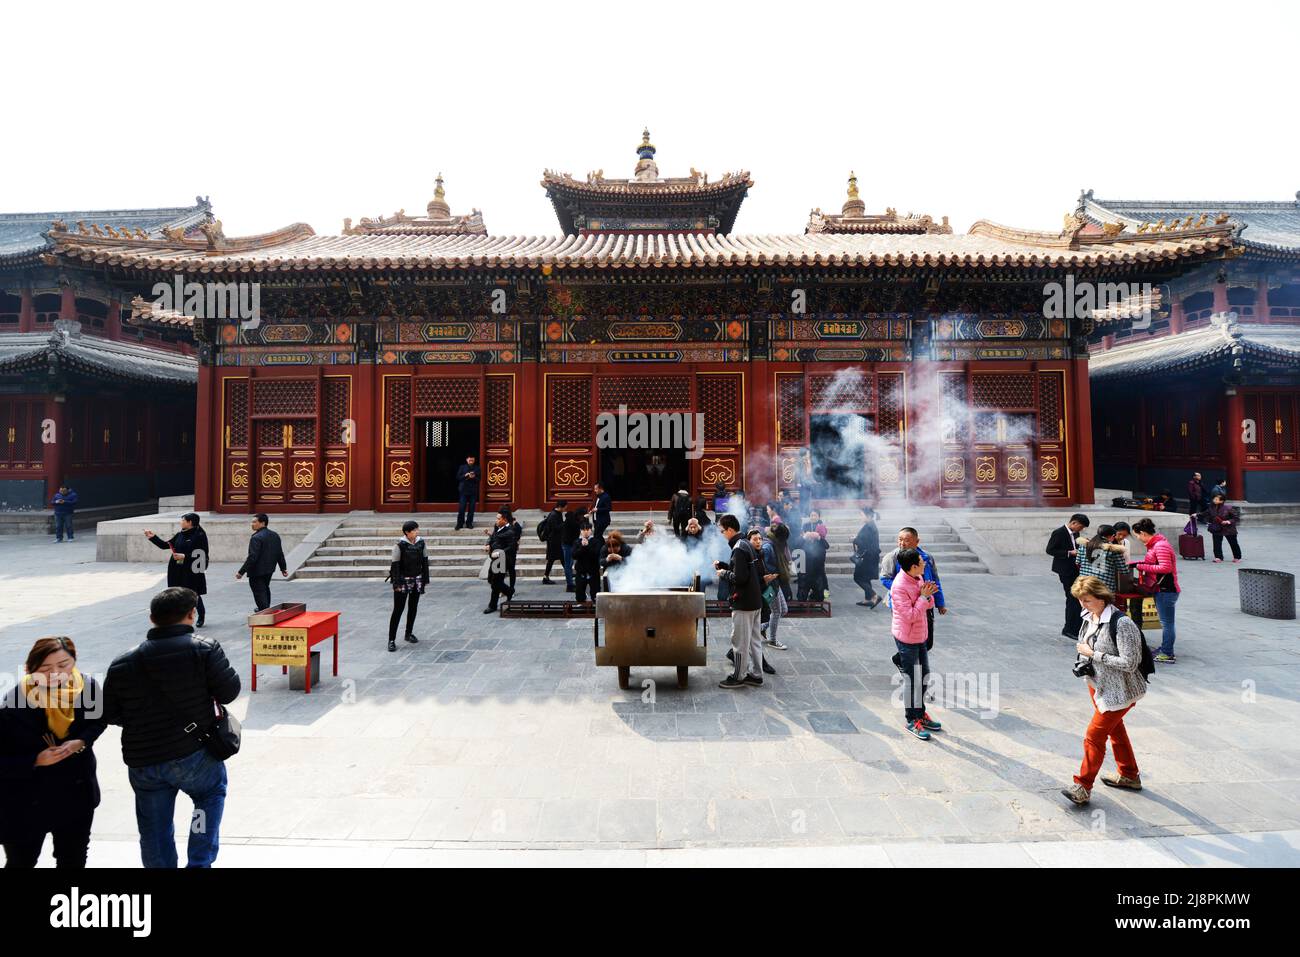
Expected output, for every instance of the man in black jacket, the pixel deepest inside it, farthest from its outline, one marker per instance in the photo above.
(264, 555)
(744, 577)
(1062, 546)
(467, 490)
(161, 692)
(600, 510)
(586, 563)
(569, 539)
(502, 546)
(553, 535)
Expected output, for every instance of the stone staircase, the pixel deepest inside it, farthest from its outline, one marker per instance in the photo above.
(360, 546)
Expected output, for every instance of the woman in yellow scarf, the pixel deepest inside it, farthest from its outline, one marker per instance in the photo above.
(47, 768)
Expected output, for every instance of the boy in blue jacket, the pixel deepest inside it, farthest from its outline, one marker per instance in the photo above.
(908, 537)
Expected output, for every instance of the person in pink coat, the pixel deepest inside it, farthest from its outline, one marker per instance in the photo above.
(911, 597)
(1159, 570)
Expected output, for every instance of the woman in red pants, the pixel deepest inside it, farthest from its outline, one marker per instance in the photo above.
(1110, 656)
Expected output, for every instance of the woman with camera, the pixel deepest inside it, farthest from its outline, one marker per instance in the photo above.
(1109, 659)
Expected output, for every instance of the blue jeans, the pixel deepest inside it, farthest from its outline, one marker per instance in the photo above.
(910, 658)
(62, 524)
(566, 558)
(1165, 602)
(203, 778)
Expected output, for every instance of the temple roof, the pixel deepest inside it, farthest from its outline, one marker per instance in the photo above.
(23, 234)
(1226, 346)
(438, 222)
(853, 218)
(95, 357)
(1266, 227)
(645, 201)
(297, 248)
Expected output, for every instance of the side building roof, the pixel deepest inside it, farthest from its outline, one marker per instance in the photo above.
(1271, 228)
(24, 235)
(96, 358)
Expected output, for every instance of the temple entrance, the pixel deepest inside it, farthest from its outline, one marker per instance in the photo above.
(444, 445)
(841, 466)
(644, 475)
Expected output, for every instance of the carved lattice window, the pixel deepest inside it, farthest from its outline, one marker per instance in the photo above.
(1002, 391)
(445, 396)
(646, 393)
(720, 403)
(336, 391)
(397, 409)
(284, 397)
(570, 412)
(237, 412)
(842, 393)
(1052, 406)
(499, 390)
(789, 406)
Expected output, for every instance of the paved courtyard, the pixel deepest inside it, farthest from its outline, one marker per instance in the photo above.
(503, 734)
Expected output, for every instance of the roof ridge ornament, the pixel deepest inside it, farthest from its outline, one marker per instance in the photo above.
(854, 206)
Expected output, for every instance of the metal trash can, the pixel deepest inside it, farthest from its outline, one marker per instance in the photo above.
(1266, 593)
(298, 676)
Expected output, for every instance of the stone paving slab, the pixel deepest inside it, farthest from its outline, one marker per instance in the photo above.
(499, 733)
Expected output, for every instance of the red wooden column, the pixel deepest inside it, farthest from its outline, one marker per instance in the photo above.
(1262, 313)
(56, 452)
(67, 303)
(1080, 431)
(760, 454)
(1177, 320)
(1221, 297)
(206, 439)
(27, 312)
(530, 429)
(367, 455)
(113, 321)
(1234, 452)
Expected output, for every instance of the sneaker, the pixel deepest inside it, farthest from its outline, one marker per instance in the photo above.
(917, 729)
(863, 604)
(1117, 780)
(412, 639)
(1077, 793)
(547, 581)
(768, 669)
(731, 682)
(1218, 561)
(754, 681)
(489, 610)
(1165, 659)
(392, 646)
(775, 645)
(930, 724)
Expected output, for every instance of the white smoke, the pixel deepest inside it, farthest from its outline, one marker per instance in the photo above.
(665, 561)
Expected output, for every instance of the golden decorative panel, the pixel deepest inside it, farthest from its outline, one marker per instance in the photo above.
(336, 474)
(986, 469)
(890, 472)
(570, 473)
(272, 474)
(954, 470)
(498, 472)
(239, 475)
(399, 473)
(1050, 468)
(1017, 468)
(304, 474)
(713, 471)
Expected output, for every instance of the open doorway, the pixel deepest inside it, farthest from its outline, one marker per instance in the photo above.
(444, 446)
(644, 475)
(838, 442)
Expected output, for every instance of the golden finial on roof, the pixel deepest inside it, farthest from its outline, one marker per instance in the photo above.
(438, 192)
(853, 185)
(853, 205)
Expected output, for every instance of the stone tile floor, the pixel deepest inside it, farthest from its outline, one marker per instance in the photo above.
(503, 734)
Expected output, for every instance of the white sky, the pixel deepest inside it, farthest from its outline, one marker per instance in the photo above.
(285, 112)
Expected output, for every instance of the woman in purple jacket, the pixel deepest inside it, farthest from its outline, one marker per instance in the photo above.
(1223, 524)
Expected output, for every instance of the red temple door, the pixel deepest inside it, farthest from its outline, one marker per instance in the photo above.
(791, 429)
(570, 436)
(236, 457)
(499, 440)
(719, 396)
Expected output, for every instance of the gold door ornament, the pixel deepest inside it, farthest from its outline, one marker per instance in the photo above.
(399, 474)
(570, 473)
(239, 475)
(497, 472)
(304, 474)
(986, 469)
(954, 470)
(1017, 468)
(890, 473)
(1050, 469)
(788, 464)
(713, 471)
(272, 475)
(336, 475)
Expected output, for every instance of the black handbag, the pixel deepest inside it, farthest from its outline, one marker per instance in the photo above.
(221, 738)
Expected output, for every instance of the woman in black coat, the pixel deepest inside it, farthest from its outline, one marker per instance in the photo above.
(701, 513)
(866, 558)
(47, 768)
(189, 564)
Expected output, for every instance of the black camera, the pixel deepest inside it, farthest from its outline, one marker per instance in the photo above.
(1083, 668)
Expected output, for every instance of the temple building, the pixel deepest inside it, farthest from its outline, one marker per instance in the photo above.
(84, 397)
(867, 357)
(1211, 382)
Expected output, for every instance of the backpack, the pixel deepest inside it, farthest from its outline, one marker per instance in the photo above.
(1147, 664)
(542, 529)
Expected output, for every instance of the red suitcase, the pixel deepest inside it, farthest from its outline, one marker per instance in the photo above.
(1191, 547)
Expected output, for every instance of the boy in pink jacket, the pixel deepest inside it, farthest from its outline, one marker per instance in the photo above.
(911, 598)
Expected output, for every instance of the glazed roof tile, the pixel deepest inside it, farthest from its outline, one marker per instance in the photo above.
(96, 357)
(297, 248)
(1265, 226)
(1198, 348)
(23, 234)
